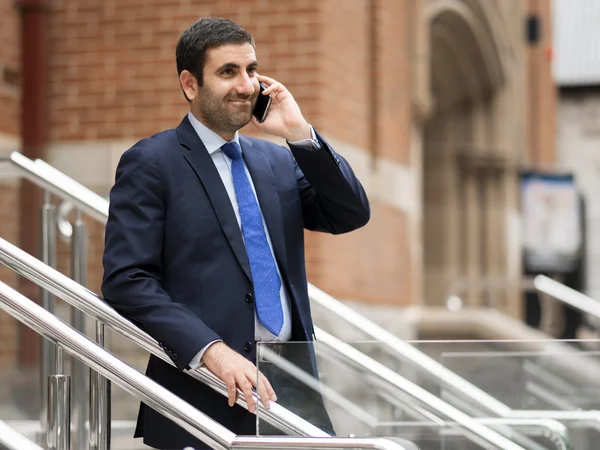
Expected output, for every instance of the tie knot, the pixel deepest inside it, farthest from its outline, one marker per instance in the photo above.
(233, 150)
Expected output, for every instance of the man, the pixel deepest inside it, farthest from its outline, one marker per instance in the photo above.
(204, 241)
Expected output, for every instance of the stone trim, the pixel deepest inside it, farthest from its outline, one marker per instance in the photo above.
(8, 144)
(90, 163)
(386, 181)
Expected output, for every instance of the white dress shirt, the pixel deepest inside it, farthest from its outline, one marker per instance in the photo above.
(213, 143)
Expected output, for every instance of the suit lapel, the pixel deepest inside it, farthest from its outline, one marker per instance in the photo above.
(201, 161)
(265, 184)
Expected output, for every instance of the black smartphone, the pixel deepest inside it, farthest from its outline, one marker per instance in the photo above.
(262, 105)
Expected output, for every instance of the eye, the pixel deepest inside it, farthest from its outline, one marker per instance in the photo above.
(252, 70)
(227, 72)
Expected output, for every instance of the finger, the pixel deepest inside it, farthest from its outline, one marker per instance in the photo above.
(231, 391)
(269, 388)
(262, 392)
(246, 387)
(274, 88)
(266, 80)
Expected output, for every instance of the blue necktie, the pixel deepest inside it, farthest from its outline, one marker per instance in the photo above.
(267, 283)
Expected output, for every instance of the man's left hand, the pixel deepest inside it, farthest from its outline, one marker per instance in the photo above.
(284, 118)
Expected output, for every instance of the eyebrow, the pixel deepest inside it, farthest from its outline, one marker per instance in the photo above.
(236, 66)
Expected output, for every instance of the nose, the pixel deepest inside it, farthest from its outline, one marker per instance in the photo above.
(246, 85)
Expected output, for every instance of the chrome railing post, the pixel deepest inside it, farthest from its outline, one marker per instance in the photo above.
(78, 369)
(58, 436)
(151, 393)
(48, 250)
(58, 431)
(99, 438)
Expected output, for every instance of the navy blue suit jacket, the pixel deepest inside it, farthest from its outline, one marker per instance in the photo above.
(175, 262)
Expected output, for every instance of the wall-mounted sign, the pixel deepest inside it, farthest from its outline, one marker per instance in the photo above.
(552, 229)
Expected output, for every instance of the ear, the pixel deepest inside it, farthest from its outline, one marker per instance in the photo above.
(189, 84)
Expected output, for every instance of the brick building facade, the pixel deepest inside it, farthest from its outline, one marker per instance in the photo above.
(431, 101)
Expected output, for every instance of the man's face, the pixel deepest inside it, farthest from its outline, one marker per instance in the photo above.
(230, 87)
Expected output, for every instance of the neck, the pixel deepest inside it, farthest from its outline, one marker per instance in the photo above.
(225, 134)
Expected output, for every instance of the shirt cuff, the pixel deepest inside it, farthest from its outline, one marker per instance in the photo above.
(196, 361)
(312, 141)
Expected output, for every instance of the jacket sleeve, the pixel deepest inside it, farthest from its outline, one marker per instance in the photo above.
(333, 200)
(132, 260)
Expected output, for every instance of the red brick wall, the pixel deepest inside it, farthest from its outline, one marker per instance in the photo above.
(393, 25)
(372, 264)
(9, 126)
(540, 104)
(9, 226)
(9, 68)
(113, 77)
(113, 69)
(344, 100)
(348, 64)
(365, 66)
(365, 101)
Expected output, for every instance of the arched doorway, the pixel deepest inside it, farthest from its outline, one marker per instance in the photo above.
(464, 182)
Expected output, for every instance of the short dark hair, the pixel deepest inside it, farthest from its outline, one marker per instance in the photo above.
(207, 33)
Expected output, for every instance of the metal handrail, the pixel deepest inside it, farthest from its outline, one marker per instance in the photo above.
(399, 347)
(567, 295)
(151, 393)
(96, 206)
(588, 418)
(47, 177)
(88, 302)
(518, 430)
(529, 427)
(82, 348)
(408, 351)
(293, 443)
(12, 440)
(52, 180)
(414, 391)
(551, 429)
(64, 186)
(55, 182)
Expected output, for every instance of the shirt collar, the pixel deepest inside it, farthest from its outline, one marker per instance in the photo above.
(211, 140)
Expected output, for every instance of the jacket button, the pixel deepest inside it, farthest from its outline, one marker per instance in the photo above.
(249, 297)
(248, 346)
(174, 356)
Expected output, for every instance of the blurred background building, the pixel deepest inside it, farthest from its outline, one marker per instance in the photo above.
(577, 74)
(438, 105)
(474, 126)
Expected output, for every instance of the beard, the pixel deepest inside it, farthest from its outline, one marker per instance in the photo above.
(221, 114)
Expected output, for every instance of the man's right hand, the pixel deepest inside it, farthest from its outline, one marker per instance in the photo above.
(236, 371)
